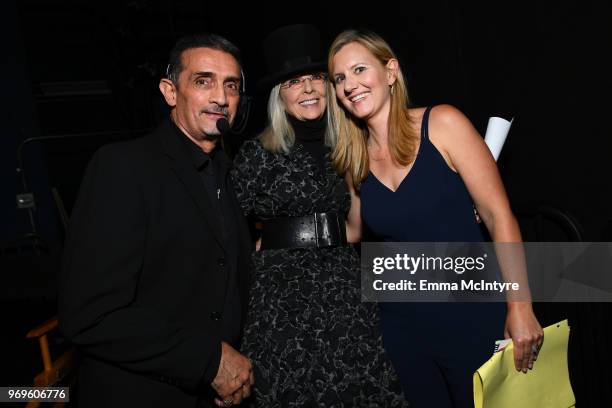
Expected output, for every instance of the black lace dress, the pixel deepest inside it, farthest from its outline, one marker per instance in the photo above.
(312, 342)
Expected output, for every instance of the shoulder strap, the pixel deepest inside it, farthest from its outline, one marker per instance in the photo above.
(425, 123)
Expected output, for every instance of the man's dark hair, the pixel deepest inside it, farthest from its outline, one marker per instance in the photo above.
(200, 40)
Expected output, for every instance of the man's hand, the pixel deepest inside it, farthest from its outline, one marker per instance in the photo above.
(234, 377)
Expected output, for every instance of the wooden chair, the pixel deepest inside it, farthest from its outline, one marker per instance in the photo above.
(55, 372)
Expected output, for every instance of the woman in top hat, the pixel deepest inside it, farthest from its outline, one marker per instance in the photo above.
(310, 338)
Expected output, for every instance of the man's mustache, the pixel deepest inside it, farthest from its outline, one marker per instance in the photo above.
(223, 111)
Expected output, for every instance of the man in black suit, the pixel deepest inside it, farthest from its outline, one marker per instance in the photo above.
(153, 288)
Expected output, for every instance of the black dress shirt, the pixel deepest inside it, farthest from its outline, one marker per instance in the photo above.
(213, 169)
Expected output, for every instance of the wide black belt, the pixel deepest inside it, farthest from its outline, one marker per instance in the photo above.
(310, 231)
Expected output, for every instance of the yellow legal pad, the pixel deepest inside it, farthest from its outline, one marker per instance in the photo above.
(497, 384)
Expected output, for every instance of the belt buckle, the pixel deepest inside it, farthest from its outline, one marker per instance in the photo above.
(323, 224)
(316, 228)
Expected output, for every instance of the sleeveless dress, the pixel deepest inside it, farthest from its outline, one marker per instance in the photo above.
(435, 347)
(313, 343)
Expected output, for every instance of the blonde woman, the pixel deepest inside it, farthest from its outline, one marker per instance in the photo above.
(415, 174)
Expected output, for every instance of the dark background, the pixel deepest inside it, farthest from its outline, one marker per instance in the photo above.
(90, 70)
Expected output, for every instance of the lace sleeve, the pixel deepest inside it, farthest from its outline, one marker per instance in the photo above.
(244, 175)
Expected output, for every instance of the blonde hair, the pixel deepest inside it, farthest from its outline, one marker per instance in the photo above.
(350, 153)
(279, 136)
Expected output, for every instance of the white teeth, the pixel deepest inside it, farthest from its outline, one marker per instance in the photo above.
(309, 102)
(359, 97)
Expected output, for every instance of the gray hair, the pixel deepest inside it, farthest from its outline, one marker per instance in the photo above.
(279, 136)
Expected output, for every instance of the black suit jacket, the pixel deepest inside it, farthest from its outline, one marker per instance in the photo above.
(143, 282)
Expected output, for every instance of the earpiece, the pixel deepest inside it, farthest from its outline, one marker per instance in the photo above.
(244, 108)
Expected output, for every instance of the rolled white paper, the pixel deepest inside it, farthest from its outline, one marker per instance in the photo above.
(496, 133)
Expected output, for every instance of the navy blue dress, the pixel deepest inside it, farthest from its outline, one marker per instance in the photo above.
(435, 347)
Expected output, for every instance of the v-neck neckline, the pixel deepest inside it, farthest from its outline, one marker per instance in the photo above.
(414, 163)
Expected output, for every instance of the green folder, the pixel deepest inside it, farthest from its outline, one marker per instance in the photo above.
(497, 384)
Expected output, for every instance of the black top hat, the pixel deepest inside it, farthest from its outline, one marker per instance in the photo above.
(291, 50)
